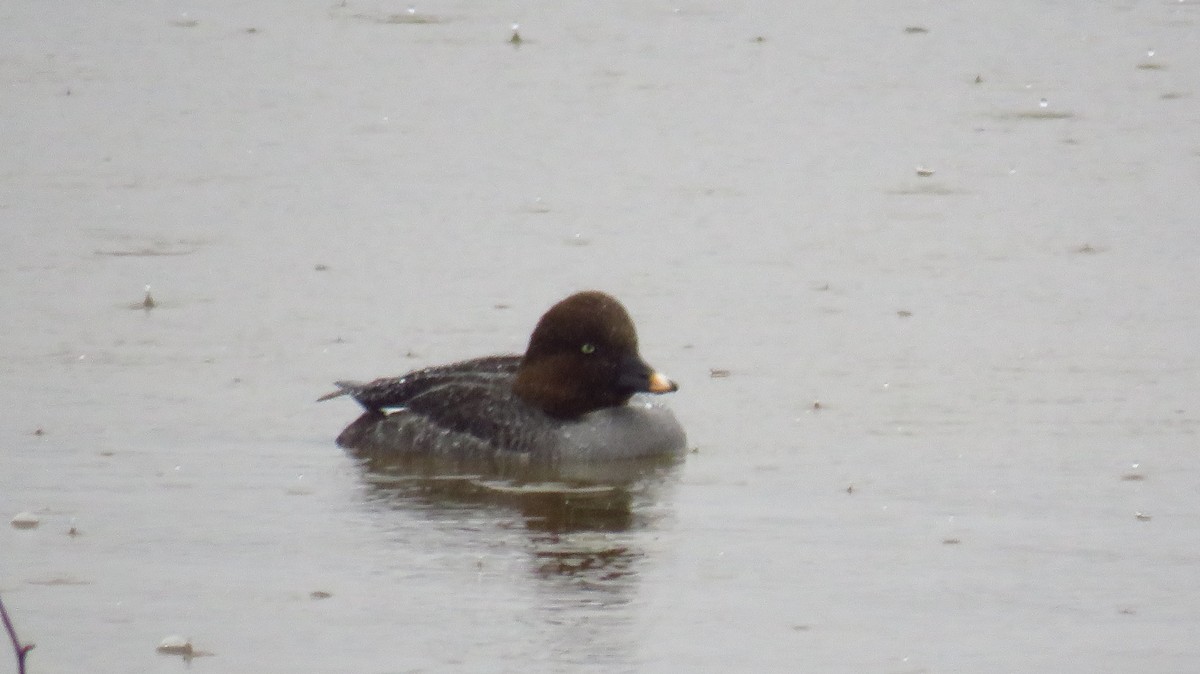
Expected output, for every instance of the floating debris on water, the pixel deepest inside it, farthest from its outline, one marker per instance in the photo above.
(979, 79)
(410, 17)
(516, 40)
(1142, 517)
(1043, 111)
(184, 21)
(176, 645)
(904, 313)
(299, 488)
(924, 172)
(915, 30)
(148, 302)
(718, 373)
(1151, 65)
(320, 594)
(951, 541)
(25, 520)
(537, 206)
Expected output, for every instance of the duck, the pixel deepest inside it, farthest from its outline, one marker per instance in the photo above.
(580, 393)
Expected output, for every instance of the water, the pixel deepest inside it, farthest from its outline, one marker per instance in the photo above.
(922, 457)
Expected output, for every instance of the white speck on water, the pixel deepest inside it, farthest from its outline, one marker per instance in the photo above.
(1150, 53)
(516, 27)
(1135, 465)
(299, 488)
(412, 10)
(1043, 103)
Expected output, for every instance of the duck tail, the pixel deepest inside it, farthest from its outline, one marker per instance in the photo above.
(344, 388)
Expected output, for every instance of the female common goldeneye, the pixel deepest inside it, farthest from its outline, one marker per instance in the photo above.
(576, 395)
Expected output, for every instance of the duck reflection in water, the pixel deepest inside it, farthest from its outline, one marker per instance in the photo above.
(552, 500)
(584, 534)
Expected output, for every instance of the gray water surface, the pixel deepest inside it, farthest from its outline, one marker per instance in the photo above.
(953, 422)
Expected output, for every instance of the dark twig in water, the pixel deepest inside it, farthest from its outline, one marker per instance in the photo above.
(20, 650)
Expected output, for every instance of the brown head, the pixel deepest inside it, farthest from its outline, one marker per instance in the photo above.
(583, 356)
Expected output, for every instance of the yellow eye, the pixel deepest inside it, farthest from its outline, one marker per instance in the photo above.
(588, 348)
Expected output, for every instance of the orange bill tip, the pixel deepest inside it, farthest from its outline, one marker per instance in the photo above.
(659, 383)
